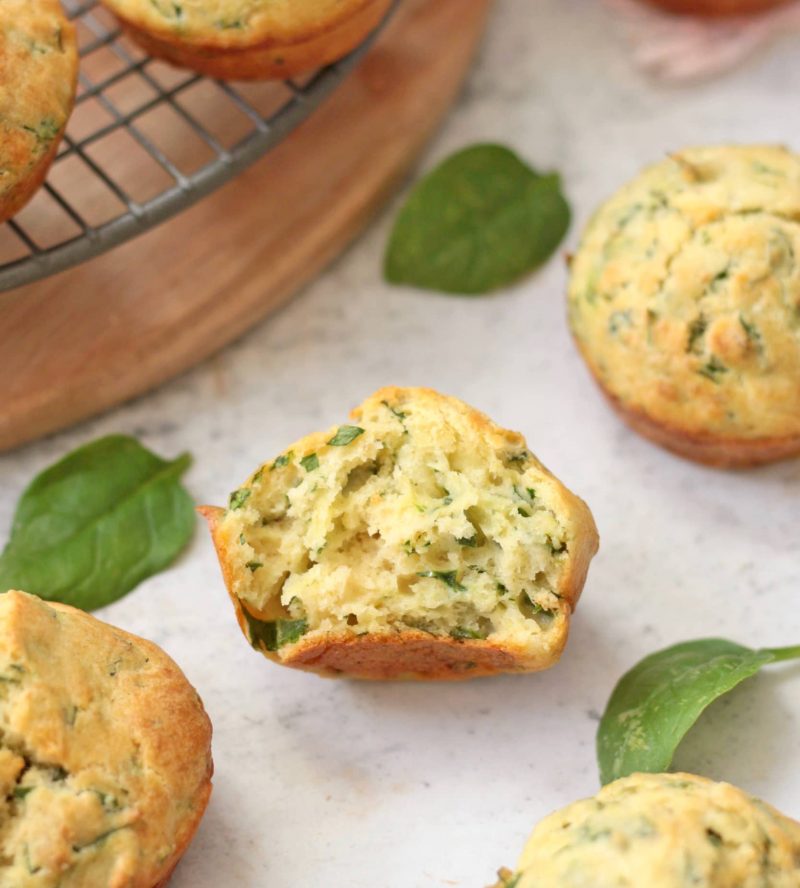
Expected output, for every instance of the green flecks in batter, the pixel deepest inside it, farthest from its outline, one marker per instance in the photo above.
(283, 460)
(167, 9)
(652, 318)
(696, 331)
(765, 170)
(450, 577)
(44, 132)
(713, 369)
(714, 837)
(619, 320)
(753, 334)
(720, 276)
(98, 840)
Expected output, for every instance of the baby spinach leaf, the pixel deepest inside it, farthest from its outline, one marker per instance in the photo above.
(480, 220)
(98, 522)
(656, 703)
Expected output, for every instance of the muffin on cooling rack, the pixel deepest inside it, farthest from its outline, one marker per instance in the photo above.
(249, 39)
(105, 759)
(684, 300)
(662, 831)
(38, 76)
(717, 7)
(421, 541)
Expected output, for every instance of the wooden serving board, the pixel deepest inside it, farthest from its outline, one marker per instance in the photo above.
(92, 337)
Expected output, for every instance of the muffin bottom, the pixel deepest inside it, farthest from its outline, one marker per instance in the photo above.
(265, 61)
(702, 447)
(413, 655)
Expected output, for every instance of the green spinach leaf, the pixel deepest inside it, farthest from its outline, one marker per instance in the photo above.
(450, 577)
(310, 462)
(274, 634)
(98, 522)
(480, 220)
(656, 703)
(345, 435)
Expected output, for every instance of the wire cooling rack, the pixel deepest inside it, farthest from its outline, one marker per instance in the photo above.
(145, 141)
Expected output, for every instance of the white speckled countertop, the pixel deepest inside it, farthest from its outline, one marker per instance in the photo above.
(346, 785)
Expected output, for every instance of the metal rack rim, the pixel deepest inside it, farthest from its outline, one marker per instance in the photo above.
(137, 217)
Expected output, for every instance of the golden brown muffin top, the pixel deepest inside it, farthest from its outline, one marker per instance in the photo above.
(685, 293)
(662, 831)
(38, 71)
(422, 540)
(237, 23)
(104, 752)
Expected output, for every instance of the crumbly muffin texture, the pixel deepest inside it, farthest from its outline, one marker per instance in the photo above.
(104, 752)
(662, 831)
(684, 296)
(420, 518)
(38, 71)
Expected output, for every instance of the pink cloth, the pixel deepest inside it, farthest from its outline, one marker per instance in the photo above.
(676, 48)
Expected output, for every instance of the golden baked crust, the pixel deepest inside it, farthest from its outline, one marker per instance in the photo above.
(684, 300)
(662, 831)
(717, 7)
(249, 39)
(38, 76)
(105, 759)
(423, 542)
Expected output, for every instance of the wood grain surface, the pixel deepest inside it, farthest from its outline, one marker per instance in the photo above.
(92, 337)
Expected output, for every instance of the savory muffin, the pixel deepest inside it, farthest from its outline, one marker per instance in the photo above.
(420, 541)
(249, 39)
(684, 299)
(105, 760)
(662, 831)
(717, 7)
(38, 76)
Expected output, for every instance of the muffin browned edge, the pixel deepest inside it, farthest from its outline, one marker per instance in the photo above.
(25, 188)
(413, 654)
(267, 59)
(203, 793)
(717, 451)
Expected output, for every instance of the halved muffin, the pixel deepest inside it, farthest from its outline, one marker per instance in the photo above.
(249, 39)
(105, 759)
(662, 831)
(420, 541)
(38, 77)
(684, 300)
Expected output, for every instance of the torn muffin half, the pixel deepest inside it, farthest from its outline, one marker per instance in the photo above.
(420, 540)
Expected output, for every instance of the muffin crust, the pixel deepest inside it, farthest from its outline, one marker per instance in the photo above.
(421, 542)
(105, 758)
(662, 831)
(684, 300)
(249, 39)
(38, 76)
